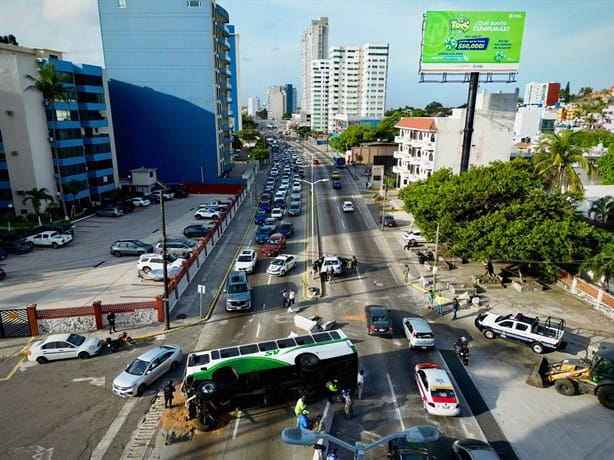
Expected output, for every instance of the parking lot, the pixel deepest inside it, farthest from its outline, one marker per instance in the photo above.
(85, 271)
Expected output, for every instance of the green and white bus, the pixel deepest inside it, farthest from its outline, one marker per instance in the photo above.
(266, 373)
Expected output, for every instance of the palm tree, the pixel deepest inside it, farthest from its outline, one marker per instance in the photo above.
(52, 85)
(555, 160)
(603, 209)
(37, 196)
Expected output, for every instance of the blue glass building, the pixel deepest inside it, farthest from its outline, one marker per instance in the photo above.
(170, 71)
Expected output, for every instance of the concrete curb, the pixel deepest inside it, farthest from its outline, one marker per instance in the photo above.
(325, 425)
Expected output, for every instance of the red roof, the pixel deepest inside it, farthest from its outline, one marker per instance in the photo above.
(424, 124)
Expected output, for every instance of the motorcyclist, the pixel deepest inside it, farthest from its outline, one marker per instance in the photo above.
(461, 344)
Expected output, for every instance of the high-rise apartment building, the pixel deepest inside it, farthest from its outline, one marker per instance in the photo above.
(290, 91)
(356, 88)
(314, 46)
(320, 70)
(62, 143)
(235, 79)
(275, 103)
(253, 106)
(170, 74)
(544, 94)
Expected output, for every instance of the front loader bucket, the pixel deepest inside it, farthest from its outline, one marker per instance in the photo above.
(536, 377)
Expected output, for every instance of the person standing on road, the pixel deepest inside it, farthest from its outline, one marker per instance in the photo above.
(332, 388)
(431, 296)
(286, 296)
(331, 275)
(111, 320)
(348, 406)
(455, 307)
(291, 298)
(360, 383)
(169, 390)
(301, 405)
(440, 301)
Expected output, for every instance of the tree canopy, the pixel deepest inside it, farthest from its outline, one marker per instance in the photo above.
(503, 212)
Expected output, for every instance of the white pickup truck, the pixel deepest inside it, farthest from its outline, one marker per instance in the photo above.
(540, 335)
(50, 238)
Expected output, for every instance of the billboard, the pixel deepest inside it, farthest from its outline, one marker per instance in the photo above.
(471, 41)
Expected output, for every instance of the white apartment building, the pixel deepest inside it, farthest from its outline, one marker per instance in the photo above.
(374, 79)
(546, 94)
(314, 46)
(357, 83)
(275, 103)
(320, 71)
(427, 144)
(531, 121)
(253, 106)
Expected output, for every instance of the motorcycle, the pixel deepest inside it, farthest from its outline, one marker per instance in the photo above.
(462, 350)
(115, 344)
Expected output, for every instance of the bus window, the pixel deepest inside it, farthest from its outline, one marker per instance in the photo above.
(229, 352)
(335, 335)
(303, 340)
(321, 337)
(195, 359)
(267, 346)
(248, 349)
(215, 354)
(286, 343)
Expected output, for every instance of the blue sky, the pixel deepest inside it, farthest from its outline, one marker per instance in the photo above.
(564, 40)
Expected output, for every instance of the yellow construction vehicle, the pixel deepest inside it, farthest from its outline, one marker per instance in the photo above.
(579, 376)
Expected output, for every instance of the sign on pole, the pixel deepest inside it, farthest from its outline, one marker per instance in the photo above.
(201, 291)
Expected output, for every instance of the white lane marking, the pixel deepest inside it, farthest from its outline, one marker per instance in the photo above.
(107, 439)
(236, 428)
(96, 381)
(258, 328)
(395, 401)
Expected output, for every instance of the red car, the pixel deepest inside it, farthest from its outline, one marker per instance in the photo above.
(273, 245)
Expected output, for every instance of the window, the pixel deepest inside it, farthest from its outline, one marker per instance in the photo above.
(194, 4)
(121, 3)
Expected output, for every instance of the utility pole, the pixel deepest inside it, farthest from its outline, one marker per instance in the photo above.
(436, 258)
(164, 263)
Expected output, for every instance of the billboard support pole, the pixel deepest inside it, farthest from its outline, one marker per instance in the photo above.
(468, 131)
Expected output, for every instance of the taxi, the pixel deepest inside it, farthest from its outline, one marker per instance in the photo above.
(436, 390)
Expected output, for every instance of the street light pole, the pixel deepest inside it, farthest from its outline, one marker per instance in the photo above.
(311, 184)
(164, 263)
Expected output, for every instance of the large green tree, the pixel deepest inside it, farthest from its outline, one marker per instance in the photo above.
(52, 85)
(606, 166)
(502, 212)
(555, 159)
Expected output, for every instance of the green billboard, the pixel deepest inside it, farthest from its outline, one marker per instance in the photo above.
(471, 41)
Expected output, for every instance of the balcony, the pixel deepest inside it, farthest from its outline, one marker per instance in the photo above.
(400, 169)
(400, 155)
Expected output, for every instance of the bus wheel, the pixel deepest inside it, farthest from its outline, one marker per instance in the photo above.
(207, 390)
(307, 361)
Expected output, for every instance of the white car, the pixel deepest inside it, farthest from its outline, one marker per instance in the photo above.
(146, 369)
(246, 261)
(332, 261)
(168, 195)
(436, 390)
(281, 264)
(63, 346)
(348, 206)
(419, 333)
(50, 238)
(207, 213)
(295, 196)
(140, 201)
(296, 186)
(277, 213)
(413, 237)
(149, 262)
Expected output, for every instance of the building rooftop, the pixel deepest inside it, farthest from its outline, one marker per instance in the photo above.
(426, 124)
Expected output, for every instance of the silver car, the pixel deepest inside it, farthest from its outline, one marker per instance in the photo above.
(146, 369)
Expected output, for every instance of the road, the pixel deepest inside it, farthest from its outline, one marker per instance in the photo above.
(64, 397)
